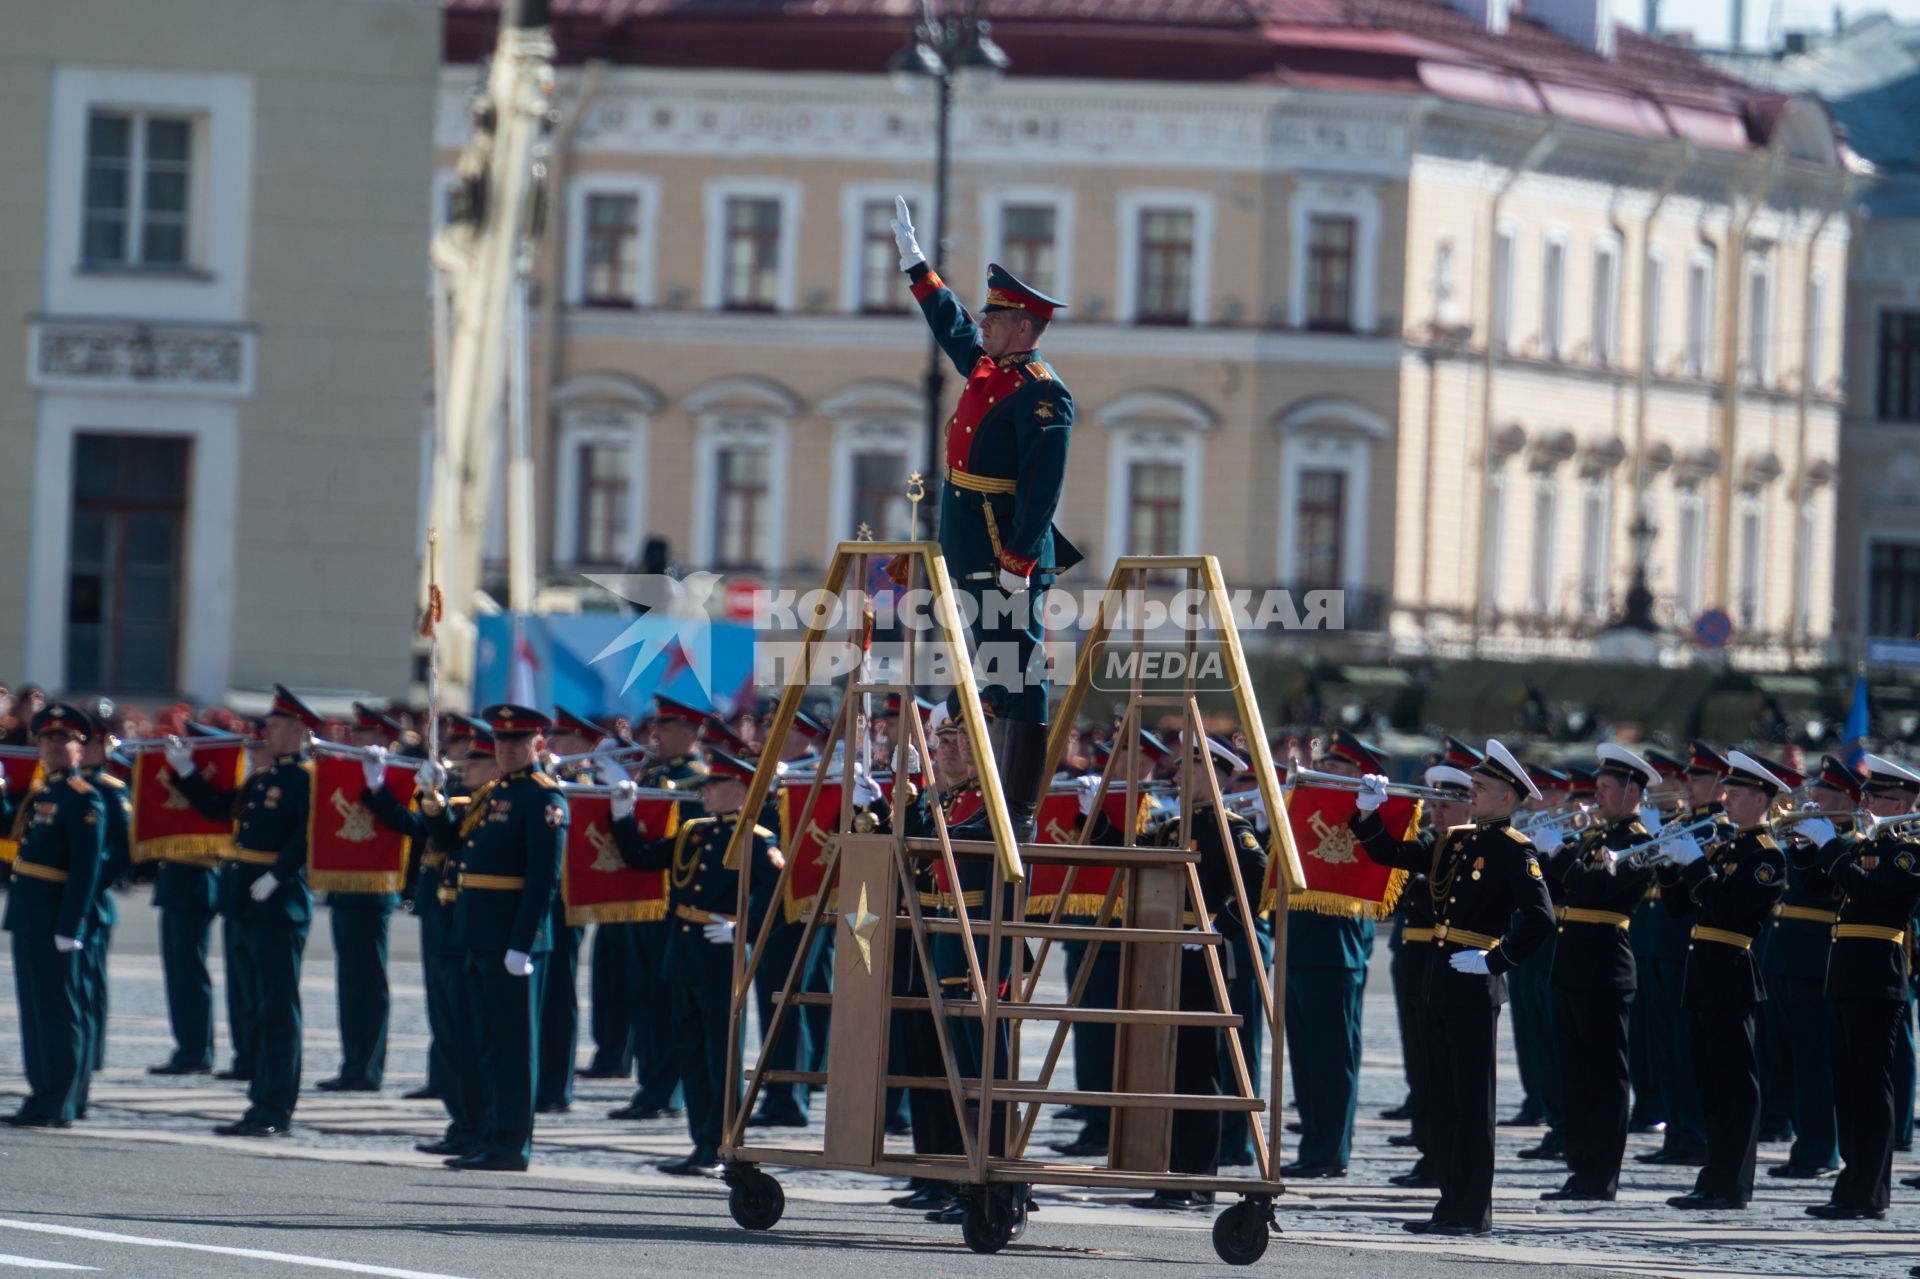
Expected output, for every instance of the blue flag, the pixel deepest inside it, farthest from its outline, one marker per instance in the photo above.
(1855, 732)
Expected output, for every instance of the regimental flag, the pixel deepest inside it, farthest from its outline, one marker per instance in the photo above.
(165, 826)
(21, 764)
(596, 885)
(1059, 821)
(1341, 878)
(347, 850)
(805, 837)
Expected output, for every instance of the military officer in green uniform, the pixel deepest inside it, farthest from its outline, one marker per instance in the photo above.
(506, 872)
(1005, 466)
(94, 766)
(263, 888)
(186, 897)
(675, 763)
(60, 826)
(703, 892)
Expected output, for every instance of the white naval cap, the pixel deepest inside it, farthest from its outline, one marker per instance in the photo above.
(1624, 764)
(1501, 765)
(1749, 771)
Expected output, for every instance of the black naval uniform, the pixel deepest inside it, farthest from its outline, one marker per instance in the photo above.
(269, 937)
(697, 974)
(1729, 894)
(1798, 941)
(1488, 894)
(1593, 980)
(61, 829)
(1413, 954)
(1879, 884)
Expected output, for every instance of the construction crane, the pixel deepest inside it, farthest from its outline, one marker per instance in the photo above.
(482, 259)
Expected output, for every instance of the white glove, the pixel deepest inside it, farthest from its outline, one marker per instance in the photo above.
(1548, 835)
(67, 945)
(264, 886)
(519, 964)
(902, 225)
(719, 932)
(1681, 850)
(374, 768)
(179, 757)
(864, 790)
(1194, 945)
(431, 775)
(1012, 582)
(611, 773)
(1817, 829)
(1472, 962)
(1372, 792)
(621, 805)
(1089, 787)
(1650, 818)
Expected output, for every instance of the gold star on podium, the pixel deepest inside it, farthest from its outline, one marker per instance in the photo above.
(862, 925)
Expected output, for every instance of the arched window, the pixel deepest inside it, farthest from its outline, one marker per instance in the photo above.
(1326, 469)
(600, 469)
(878, 440)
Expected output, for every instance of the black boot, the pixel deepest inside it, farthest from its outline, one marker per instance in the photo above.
(1022, 751)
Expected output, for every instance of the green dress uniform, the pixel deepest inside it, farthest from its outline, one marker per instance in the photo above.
(61, 829)
(697, 974)
(185, 895)
(1795, 964)
(1005, 469)
(360, 922)
(505, 874)
(106, 914)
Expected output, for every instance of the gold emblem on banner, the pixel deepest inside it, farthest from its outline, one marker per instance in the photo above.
(356, 823)
(1056, 834)
(606, 854)
(1336, 842)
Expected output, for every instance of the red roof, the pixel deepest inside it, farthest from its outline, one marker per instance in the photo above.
(1647, 88)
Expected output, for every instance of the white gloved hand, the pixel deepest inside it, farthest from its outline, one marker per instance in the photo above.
(1681, 850)
(621, 804)
(611, 772)
(431, 775)
(179, 757)
(1372, 792)
(719, 932)
(1472, 962)
(519, 964)
(264, 887)
(864, 790)
(1012, 582)
(1194, 945)
(374, 768)
(67, 945)
(1089, 786)
(902, 227)
(1650, 818)
(1818, 829)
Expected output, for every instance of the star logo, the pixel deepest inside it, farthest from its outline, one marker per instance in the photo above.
(862, 924)
(674, 620)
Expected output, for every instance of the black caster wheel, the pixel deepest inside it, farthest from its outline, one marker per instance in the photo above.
(990, 1224)
(1240, 1233)
(756, 1201)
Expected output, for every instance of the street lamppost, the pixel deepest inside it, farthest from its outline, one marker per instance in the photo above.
(1634, 636)
(943, 51)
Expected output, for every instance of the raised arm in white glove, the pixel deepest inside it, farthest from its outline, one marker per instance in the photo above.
(374, 768)
(1089, 786)
(67, 945)
(719, 932)
(519, 963)
(1472, 962)
(179, 757)
(902, 225)
(621, 803)
(1372, 792)
(1681, 850)
(263, 887)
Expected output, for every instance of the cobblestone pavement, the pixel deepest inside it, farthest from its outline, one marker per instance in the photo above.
(1637, 1234)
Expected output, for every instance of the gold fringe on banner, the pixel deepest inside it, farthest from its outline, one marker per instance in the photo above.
(617, 913)
(1342, 906)
(1078, 904)
(355, 881)
(204, 851)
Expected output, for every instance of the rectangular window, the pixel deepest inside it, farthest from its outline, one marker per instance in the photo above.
(1330, 242)
(1893, 589)
(1154, 491)
(1028, 244)
(1690, 546)
(1492, 561)
(1753, 546)
(1759, 324)
(880, 494)
(1596, 534)
(1503, 257)
(138, 177)
(1898, 385)
(1700, 318)
(1606, 305)
(883, 285)
(1655, 307)
(1540, 581)
(1166, 268)
(752, 261)
(613, 250)
(606, 479)
(1553, 300)
(1319, 531)
(741, 507)
(126, 549)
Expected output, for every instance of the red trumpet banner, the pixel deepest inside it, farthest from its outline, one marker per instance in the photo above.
(804, 838)
(21, 765)
(596, 885)
(348, 851)
(1059, 822)
(1341, 878)
(165, 826)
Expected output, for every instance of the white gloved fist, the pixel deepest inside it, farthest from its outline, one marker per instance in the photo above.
(519, 963)
(864, 790)
(1012, 582)
(1372, 792)
(1194, 945)
(431, 775)
(1089, 786)
(902, 227)
(1471, 962)
(621, 804)
(1681, 850)
(719, 932)
(264, 887)
(1819, 830)
(374, 768)
(66, 945)
(179, 757)
(1650, 818)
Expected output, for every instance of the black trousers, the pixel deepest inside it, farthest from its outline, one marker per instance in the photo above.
(1409, 971)
(1728, 1076)
(613, 1001)
(1591, 1027)
(1460, 1096)
(1865, 1035)
(1197, 1057)
(1807, 1024)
